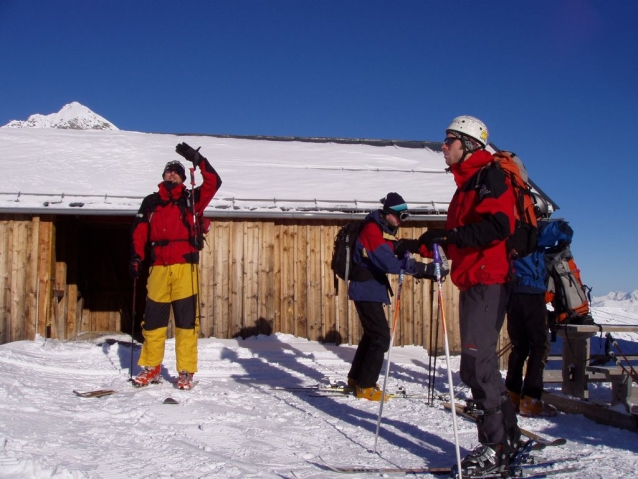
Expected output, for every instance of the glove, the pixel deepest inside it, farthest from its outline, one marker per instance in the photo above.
(189, 153)
(428, 271)
(134, 267)
(445, 266)
(421, 271)
(438, 236)
(404, 245)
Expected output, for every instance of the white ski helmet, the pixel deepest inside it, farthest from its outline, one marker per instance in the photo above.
(541, 206)
(470, 126)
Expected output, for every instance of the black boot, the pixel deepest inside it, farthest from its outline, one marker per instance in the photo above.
(486, 460)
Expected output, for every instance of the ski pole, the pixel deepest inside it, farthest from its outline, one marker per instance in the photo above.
(195, 243)
(430, 349)
(436, 356)
(504, 349)
(133, 327)
(633, 374)
(437, 265)
(387, 369)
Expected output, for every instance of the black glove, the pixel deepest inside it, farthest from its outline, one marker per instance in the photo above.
(428, 271)
(404, 245)
(134, 267)
(438, 236)
(189, 153)
(421, 271)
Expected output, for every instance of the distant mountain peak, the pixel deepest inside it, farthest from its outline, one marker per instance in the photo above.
(73, 116)
(627, 301)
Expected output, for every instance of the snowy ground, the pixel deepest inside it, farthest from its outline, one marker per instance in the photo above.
(233, 424)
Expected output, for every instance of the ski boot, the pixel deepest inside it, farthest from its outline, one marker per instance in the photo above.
(486, 460)
(371, 394)
(148, 375)
(531, 407)
(185, 380)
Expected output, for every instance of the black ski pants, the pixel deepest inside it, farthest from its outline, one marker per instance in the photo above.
(375, 342)
(529, 333)
(481, 316)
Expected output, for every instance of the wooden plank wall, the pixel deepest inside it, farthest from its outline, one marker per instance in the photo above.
(257, 276)
(274, 276)
(25, 276)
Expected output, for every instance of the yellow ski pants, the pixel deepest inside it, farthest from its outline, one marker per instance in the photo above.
(174, 286)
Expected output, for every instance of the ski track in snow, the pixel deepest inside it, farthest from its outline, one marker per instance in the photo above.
(233, 424)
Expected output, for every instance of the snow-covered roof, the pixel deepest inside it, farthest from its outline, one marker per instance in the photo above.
(57, 170)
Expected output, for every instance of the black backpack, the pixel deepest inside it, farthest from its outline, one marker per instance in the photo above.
(343, 250)
(342, 264)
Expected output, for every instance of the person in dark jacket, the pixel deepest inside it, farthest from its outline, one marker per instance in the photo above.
(479, 221)
(374, 257)
(165, 227)
(527, 318)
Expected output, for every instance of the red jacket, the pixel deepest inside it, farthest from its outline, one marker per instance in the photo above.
(482, 212)
(164, 222)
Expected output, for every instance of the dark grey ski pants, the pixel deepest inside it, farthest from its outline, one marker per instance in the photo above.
(481, 316)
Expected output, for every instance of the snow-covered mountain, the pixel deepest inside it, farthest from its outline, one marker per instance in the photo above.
(626, 301)
(73, 116)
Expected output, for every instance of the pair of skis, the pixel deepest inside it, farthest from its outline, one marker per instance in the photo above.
(536, 442)
(527, 471)
(524, 466)
(540, 442)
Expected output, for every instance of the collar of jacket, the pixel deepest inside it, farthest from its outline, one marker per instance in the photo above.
(173, 194)
(377, 217)
(464, 170)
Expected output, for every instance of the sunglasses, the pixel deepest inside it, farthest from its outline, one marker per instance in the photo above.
(449, 140)
(404, 215)
(174, 166)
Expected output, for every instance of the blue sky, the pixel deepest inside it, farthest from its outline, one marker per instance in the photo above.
(555, 81)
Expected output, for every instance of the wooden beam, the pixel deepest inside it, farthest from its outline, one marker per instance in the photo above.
(596, 412)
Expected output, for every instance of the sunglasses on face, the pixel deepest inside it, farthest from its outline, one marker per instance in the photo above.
(449, 141)
(403, 215)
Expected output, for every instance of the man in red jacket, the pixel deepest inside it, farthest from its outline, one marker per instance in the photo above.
(480, 219)
(165, 227)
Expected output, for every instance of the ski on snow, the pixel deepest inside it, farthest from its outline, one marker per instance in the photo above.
(541, 442)
(108, 392)
(522, 470)
(95, 394)
(447, 471)
(321, 390)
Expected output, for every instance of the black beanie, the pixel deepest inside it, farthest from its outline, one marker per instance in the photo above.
(394, 202)
(177, 167)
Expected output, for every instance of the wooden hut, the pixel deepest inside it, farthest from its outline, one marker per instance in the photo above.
(65, 223)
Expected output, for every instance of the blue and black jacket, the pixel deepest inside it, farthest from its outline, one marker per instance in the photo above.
(374, 252)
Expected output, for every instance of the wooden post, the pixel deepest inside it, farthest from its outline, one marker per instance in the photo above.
(236, 277)
(575, 356)
(314, 266)
(221, 280)
(266, 265)
(304, 326)
(4, 278)
(251, 275)
(46, 263)
(287, 279)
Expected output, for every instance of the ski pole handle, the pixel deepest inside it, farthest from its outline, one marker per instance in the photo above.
(437, 261)
(404, 262)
